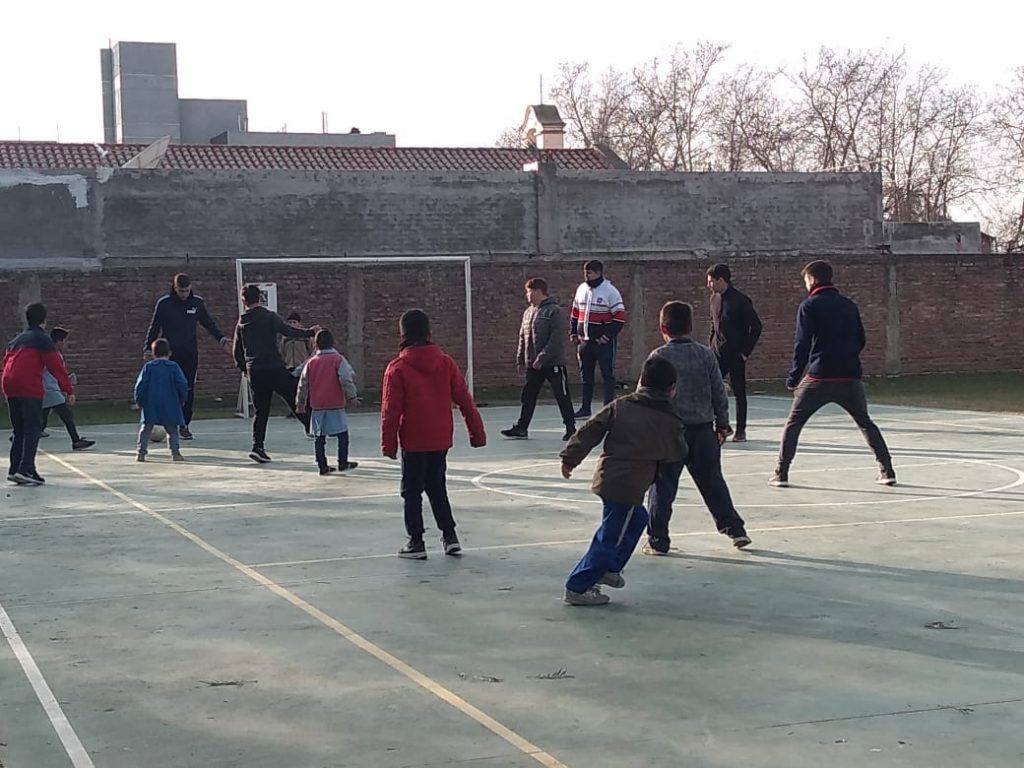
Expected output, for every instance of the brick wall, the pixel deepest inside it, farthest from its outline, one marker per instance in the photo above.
(922, 314)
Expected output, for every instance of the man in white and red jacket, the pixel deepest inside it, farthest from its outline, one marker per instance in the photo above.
(598, 316)
(28, 354)
(420, 386)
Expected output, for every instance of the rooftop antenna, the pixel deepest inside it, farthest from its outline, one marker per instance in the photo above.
(541, 90)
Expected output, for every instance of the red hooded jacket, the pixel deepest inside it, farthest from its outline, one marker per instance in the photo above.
(420, 386)
(27, 355)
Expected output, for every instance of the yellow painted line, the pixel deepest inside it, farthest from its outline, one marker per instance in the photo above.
(429, 684)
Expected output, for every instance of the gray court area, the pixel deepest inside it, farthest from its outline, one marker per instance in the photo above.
(218, 613)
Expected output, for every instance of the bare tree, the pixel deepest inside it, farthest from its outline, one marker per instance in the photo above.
(1007, 140)
(510, 138)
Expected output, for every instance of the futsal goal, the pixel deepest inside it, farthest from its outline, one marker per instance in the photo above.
(370, 293)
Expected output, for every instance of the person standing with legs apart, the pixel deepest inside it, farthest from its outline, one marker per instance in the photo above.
(640, 431)
(328, 382)
(176, 318)
(161, 390)
(29, 354)
(258, 357)
(54, 399)
(735, 329)
(827, 369)
(420, 386)
(541, 352)
(701, 402)
(598, 316)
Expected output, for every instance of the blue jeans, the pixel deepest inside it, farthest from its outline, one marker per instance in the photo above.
(612, 546)
(173, 439)
(704, 463)
(320, 449)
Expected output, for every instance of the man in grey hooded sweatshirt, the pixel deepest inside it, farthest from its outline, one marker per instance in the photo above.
(541, 352)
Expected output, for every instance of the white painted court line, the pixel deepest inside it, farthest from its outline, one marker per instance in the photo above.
(427, 683)
(72, 745)
(63, 516)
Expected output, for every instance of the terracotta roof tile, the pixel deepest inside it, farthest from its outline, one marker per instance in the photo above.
(51, 155)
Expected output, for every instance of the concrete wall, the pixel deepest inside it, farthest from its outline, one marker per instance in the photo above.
(202, 119)
(160, 213)
(921, 313)
(932, 236)
(146, 92)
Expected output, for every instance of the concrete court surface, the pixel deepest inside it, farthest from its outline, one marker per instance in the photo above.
(218, 613)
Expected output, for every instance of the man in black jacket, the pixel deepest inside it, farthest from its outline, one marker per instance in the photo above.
(735, 329)
(257, 355)
(826, 369)
(176, 318)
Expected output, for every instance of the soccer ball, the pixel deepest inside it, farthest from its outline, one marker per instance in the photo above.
(158, 435)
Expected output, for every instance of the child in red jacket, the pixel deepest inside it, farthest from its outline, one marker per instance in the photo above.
(420, 386)
(327, 382)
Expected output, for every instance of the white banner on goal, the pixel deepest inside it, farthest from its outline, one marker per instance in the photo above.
(270, 298)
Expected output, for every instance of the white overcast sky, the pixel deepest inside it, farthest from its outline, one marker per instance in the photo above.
(441, 72)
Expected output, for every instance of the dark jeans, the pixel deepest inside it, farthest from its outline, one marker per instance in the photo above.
(320, 449)
(64, 412)
(612, 545)
(26, 418)
(189, 361)
(736, 371)
(592, 355)
(264, 384)
(425, 471)
(810, 396)
(704, 463)
(558, 378)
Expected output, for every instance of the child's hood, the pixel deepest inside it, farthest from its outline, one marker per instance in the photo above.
(425, 358)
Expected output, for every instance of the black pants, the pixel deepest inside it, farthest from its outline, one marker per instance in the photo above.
(188, 359)
(704, 463)
(264, 384)
(64, 412)
(592, 355)
(320, 450)
(736, 371)
(811, 396)
(558, 378)
(425, 471)
(26, 418)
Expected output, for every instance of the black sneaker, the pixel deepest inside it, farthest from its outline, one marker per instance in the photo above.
(779, 478)
(259, 456)
(569, 432)
(24, 479)
(184, 434)
(515, 433)
(886, 477)
(347, 466)
(451, 544)
(413, 550)
(582, 414)
(740, 540)
(11, 478)
(739, 437)
(82, 445)
(327, 471)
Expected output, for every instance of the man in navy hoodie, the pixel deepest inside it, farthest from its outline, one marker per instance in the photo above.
(30, 353)
(826, 369)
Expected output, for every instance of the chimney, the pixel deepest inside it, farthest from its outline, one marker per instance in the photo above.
(543, 127)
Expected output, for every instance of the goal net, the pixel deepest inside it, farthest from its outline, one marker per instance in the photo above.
(360, 300)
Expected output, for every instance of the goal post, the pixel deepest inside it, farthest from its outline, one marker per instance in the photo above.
(244, 396)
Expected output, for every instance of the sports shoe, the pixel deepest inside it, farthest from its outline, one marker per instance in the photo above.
(582, 414)
(740, 540)
(592, 596)
(739, 437)
(140, 457)
(347, 466)
(613, 580)
(886, 477)
(38, 478)
(177, 457)
(23, 479)
(451, 544)
(413, 550)
(324, 471)
(779, 478)
(259, 456)
(184, 433)
(727, 431)
(44, 433)
(649, 549)
(10, 477)
(569, 432)
(310, 436)
(515, 433)
(82, 445)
